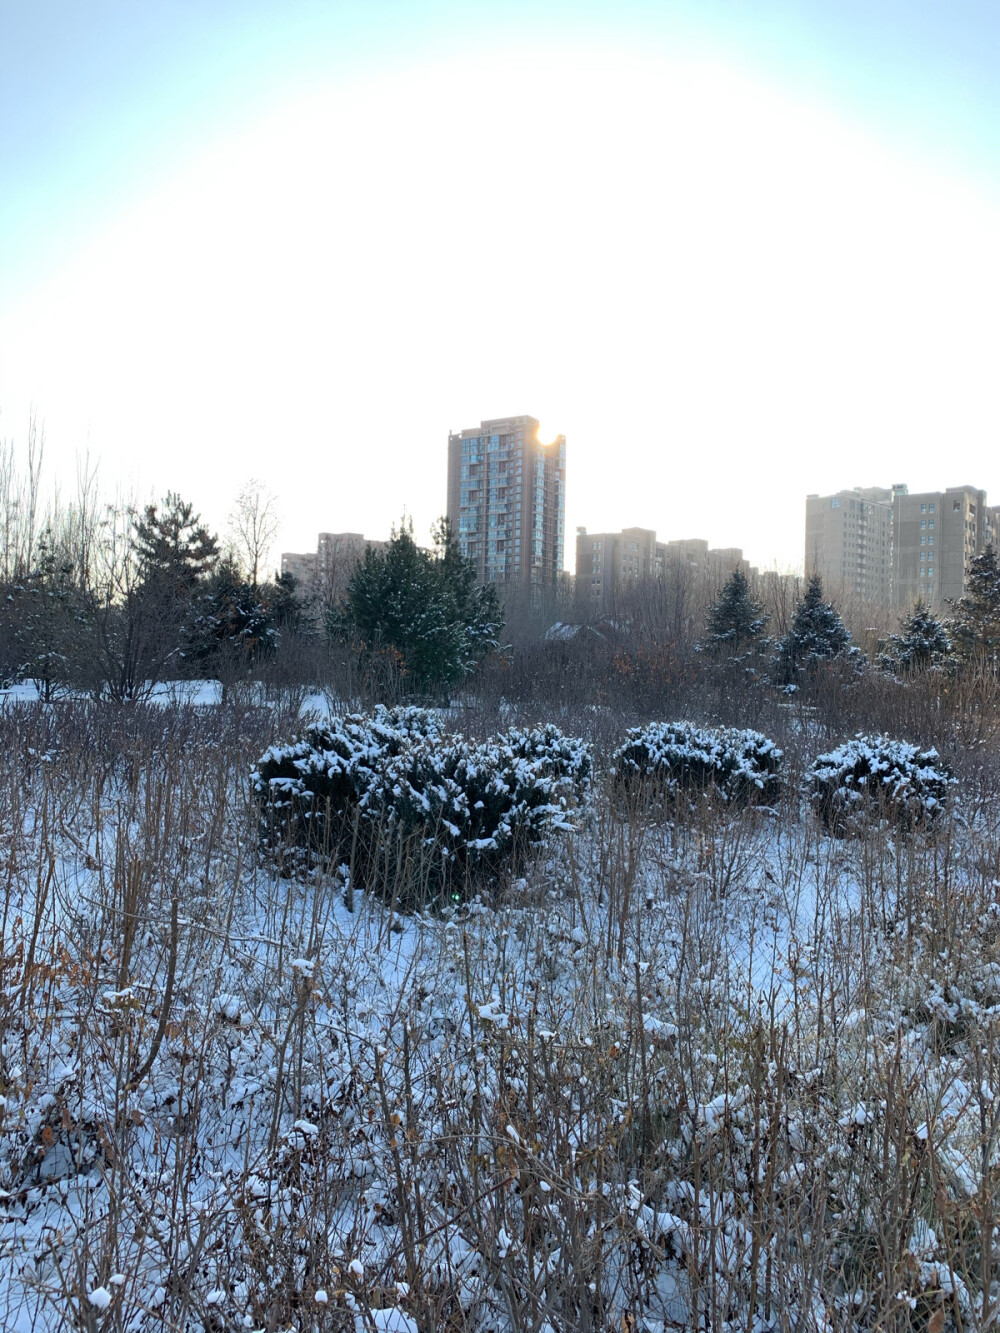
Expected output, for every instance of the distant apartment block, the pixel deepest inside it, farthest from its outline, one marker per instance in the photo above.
(301, 566)
(937, 533)
(888, 548)
(507, 500)
(324, 573)
(607, 562)
(694, 553)
(849, 542)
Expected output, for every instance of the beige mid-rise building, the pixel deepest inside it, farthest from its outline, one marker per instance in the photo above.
(608, 562)
(323, 574)
(507, 500)
(301, 565)
(714, 563)
(849, 543)
(937, 533)
(889, 548)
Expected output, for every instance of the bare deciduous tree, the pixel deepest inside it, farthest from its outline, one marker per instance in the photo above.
(129, 616)
(253, 525)
(19, 498)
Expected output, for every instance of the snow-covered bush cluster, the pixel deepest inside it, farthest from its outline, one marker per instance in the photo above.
(875, 777)
(679, 756)
(417, 814)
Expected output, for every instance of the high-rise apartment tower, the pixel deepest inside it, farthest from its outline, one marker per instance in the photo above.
(507, 499)
(849, 543)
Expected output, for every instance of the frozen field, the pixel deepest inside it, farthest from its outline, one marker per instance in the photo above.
(718, 1070)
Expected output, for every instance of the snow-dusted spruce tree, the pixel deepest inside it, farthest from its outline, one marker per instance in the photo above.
(233, 630)
(922, 642)
(288, 610)
(737, 621)
(975, 623)
(816, 634)
(426, 606)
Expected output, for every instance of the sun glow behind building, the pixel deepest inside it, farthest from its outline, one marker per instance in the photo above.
(507, 499)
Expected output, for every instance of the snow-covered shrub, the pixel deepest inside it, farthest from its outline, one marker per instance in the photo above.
(679, 756)
(875, 777)
(406, 721)
(565, 759)
(423, 815)
(308, 791)
(451, 817)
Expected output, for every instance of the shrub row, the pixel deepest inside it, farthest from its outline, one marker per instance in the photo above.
(423, 816)
(870, 776)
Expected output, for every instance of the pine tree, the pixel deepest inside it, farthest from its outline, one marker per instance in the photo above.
(288, 611)
(737, 620)
(174, 548)
(233, 630)
(921, 643)
(49, 618)
(817, 634)
(975, 624)
(176, 555)
(425, 606)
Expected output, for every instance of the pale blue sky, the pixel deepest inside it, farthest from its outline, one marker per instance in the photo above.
(97, 97)
(824, 176)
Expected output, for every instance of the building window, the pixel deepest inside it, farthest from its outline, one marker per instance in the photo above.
(930, 507)
(835, 502)
(923, 509)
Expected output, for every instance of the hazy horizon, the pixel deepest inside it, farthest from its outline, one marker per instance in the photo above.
(744, 255)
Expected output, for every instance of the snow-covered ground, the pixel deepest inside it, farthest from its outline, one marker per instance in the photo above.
(715, 1071)
(198, 693)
